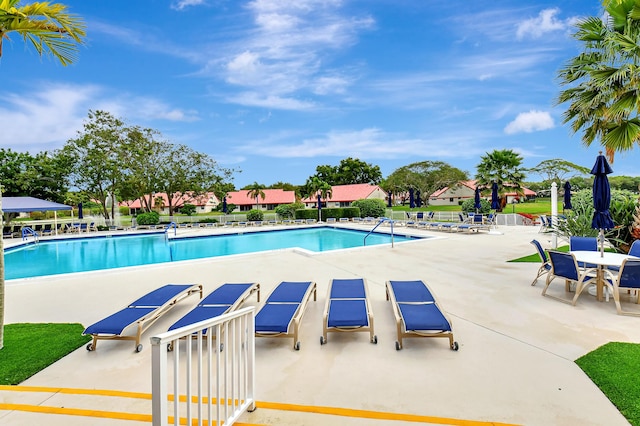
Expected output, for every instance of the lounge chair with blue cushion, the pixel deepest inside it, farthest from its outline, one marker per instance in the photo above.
(348, 308)
(226, 298)
(142, 312)
(417, 312)
(282, 312)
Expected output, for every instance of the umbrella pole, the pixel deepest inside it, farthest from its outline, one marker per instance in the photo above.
(601, 242)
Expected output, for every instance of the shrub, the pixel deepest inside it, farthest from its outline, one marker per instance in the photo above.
(151, 218)
(350, 212)
(306, 214)
(370, 207)
(188, 209)
(37, 215)
(334, 212)
(287, 211)
(209, 220)
(255, 214)
(468, 206)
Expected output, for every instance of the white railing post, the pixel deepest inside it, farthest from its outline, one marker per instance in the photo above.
(234, 371)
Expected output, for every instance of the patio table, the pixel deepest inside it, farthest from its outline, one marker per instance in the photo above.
(601, 260)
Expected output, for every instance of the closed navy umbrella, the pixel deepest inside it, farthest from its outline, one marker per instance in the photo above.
(319, 208)
(476, 200)
(412, 202)
(389, 199)
(80, 213)
(601, 198)
(418, 200)
(567, 196)
(495, 198)
(224, 205)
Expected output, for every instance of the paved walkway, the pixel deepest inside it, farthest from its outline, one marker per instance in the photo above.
(515, 364)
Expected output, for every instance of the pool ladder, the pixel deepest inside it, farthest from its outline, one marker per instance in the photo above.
(26, 231)
(169, 226)
(380, 222)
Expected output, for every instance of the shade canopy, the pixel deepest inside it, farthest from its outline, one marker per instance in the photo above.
(495, 198)
(567, 196)
(30, 204)
(476, 200)
(601, 194)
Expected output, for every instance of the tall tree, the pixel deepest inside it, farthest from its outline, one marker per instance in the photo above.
(51, 29)
(256, 190)
(558, 170)
(349, 171)
(503, 167)
(604, 88)
(424, 176)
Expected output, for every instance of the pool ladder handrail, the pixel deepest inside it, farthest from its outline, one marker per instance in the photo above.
(169, 226)
(26, 231)
(380, 222)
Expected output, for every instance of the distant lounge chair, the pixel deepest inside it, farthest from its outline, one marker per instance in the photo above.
(226, 298)
(417, 312)
(348, 308)
(282, 312)
(142, 312)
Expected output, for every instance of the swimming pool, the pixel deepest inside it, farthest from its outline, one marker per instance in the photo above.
(96, 253)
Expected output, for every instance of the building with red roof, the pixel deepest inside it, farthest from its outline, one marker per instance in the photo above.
(465, 190)
(344, 195)
(272, 199)
(160, 202)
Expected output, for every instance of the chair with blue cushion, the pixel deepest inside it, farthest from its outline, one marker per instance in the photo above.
(628, 278)
(417, 312)
(565, 266)
(546, 265)
(226, 298)
(348, 308)
(282, 312)
(142, 312)
(583, 244)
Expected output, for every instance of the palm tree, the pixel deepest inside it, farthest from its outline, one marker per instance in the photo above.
(49, 28)
(255, 190)
(502, 167)
(604, 80)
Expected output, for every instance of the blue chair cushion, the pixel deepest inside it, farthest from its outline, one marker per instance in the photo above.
(200, 313)
(347, 289)
(348, 313)
(115, 323)
(411, 291)
(226, 294)
(275, 317)
(289, 292)
(423, 317)
(160, 296)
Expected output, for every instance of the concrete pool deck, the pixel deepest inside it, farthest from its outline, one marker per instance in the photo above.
(515, 364)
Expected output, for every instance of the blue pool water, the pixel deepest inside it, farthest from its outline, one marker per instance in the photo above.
(91, 254)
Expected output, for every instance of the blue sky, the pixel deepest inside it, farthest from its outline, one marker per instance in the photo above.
(276, 87)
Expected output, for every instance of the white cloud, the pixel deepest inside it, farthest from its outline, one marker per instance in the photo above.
(270, 101)
(183, 4)
(53, 113)
(531, 121)
(369, 143)
(544, 23)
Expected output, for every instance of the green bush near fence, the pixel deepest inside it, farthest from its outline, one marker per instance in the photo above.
(371, 207)
(151, 218)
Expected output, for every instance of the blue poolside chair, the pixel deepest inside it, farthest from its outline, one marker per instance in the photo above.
(282, 312)
(546, 265)
(583, 244)
(634, 250)
(565, 266)
(226, 298)
(142, 312)
(628, 278)
(348, 308)
(417, 312)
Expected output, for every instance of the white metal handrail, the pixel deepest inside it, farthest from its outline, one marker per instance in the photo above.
(229, 377)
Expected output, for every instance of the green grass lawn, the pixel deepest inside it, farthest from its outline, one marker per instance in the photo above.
(29, 348)
(615, 369)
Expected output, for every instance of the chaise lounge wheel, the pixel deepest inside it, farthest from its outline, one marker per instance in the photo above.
(398, 347)
(297, 346)
(374, 340)
(322, 340)
(139, 347)
(90, 347)
(455, 346)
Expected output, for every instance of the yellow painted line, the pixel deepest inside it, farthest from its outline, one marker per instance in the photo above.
(344, 412)
(95, 413)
